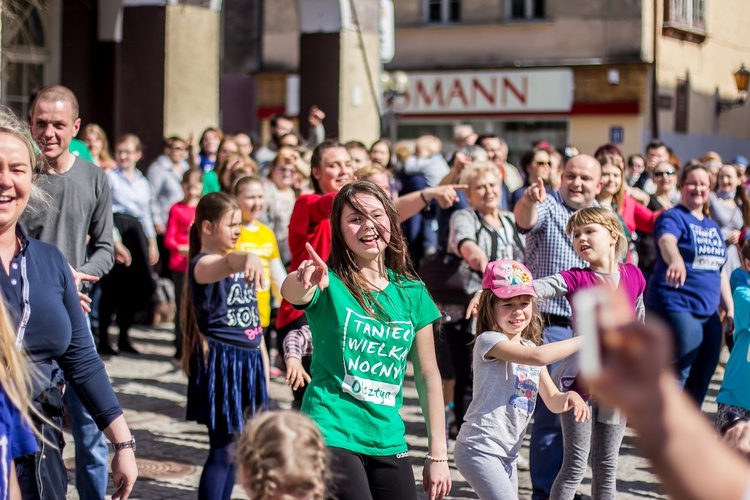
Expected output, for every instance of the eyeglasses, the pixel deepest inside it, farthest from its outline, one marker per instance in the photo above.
(285, 170)
(548, 163)
(670, 173)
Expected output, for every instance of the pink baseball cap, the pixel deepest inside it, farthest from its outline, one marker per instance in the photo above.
(508, 278)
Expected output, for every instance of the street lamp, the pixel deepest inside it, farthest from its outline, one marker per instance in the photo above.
(742, 80)
(394, 85)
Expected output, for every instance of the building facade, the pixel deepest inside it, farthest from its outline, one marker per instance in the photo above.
(147, 67)
(582, 73)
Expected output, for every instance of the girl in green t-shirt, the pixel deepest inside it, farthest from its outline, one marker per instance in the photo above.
(368, 312)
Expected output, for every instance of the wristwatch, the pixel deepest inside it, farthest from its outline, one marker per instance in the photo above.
(130, 443)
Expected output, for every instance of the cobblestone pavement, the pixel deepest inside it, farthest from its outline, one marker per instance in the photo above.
(171, 451)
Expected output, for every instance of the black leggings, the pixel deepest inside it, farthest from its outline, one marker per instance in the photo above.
(459, 339)
(363, 477)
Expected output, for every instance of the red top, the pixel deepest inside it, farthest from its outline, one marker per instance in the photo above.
(636, 216)
(181, 217)
(309, 224)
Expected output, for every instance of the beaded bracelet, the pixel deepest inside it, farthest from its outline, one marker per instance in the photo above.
(424, 198)
(433, 459)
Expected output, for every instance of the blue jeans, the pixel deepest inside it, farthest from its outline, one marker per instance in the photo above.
(546, 444)
(42, 476)
(697, 345)
(92, 452)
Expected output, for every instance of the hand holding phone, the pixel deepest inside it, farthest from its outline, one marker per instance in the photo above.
(588, 307)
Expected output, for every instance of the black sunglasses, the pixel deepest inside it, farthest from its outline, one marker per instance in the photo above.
(662, 174)
(548, 163)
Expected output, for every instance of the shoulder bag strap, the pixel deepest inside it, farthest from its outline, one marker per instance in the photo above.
(493, 237)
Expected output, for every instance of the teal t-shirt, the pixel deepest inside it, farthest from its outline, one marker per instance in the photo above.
(735, 390)
(210, 183)
(79, 148)
(359, 362)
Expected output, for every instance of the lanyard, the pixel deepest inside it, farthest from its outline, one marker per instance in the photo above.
(25, 305)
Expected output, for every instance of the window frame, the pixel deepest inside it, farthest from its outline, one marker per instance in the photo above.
(24, 56)
(445, 11)
(529, 8)
(685, 20)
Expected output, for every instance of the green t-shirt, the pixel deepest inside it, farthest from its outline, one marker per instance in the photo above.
(210, 183)
(79, 148)
(359, 362)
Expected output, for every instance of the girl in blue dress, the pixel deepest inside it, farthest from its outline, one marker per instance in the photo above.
(224, 354)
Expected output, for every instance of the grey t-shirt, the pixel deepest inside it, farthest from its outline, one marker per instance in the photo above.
(81, 207)
(504, 400)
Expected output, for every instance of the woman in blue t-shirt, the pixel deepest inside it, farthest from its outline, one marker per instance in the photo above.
(688, 283)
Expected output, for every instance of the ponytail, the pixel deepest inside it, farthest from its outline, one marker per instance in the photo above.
(193, 341)
(211, 208)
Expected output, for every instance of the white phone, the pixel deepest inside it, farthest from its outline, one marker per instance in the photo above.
(588, 306)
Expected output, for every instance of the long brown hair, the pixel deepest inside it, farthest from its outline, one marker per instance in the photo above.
(212, 208)
(689, 167)
(615, 161)
(341, 259)
(487, 321)
(741, 198)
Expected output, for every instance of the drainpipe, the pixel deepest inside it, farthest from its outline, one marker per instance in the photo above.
(654, 80)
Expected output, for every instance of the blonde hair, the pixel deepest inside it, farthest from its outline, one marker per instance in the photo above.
(39, 201)
(477, 168)
(487, 320)
(93, 128)
(282, 452)
(364, 173)
(15, 374)
(605, 218)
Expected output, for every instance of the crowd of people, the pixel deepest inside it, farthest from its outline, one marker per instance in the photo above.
(334, 265)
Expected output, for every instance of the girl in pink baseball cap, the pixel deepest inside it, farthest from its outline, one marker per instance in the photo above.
(509, 371)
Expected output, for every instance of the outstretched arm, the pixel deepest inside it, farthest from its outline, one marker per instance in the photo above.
(525, 211)
(543, 355)
(299, 287)
(411, 204)
(213, 268)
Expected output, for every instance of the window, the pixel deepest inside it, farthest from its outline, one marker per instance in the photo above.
(25, 55)
(524, 9)
(681, 99)
(442, 11)
(685, 19)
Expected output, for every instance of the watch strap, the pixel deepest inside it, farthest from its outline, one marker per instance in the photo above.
(130, 443)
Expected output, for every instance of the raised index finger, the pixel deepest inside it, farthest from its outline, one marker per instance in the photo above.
(314, 255)
(460, 186)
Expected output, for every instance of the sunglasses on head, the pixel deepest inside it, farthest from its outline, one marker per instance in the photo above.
(665, 172)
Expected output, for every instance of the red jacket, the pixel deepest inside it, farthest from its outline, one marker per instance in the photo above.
(310, 223)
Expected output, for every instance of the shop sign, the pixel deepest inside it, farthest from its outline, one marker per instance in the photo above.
(544, 90)
(616, 135)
